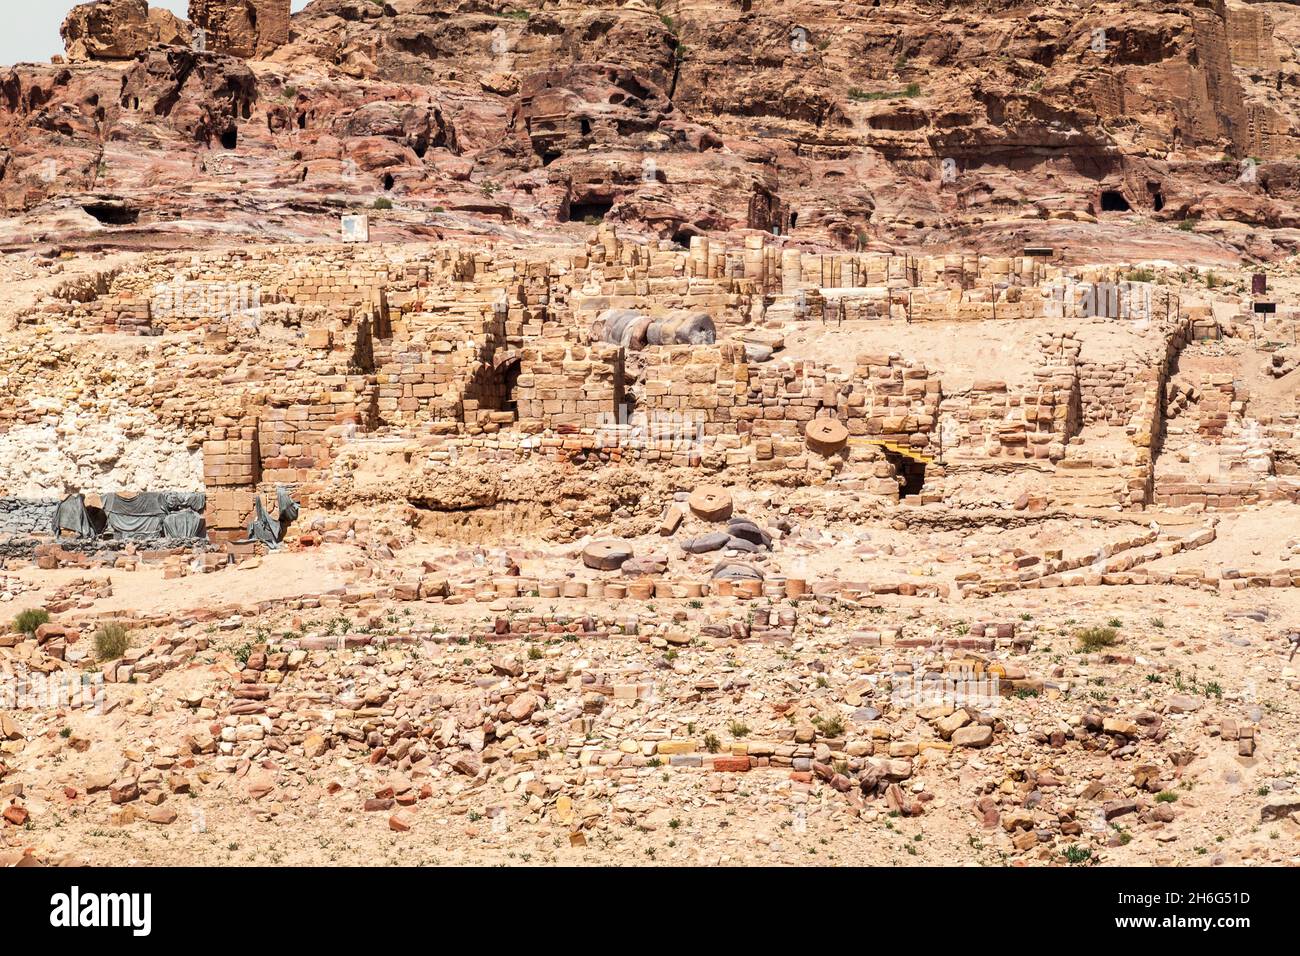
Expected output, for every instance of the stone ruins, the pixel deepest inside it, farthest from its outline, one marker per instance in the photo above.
(683, 433)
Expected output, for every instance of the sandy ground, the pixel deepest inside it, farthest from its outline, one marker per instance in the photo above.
(1172, 637)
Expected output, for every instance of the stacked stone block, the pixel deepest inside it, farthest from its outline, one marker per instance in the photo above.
(571, 386)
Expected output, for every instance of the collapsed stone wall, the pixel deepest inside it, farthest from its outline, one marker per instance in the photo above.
(994, 420)
(71, 423)
(757, 414)
(486, 354)
(1215, 453)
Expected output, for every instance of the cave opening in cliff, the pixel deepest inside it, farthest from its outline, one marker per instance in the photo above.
(112, 214)
(592, 211)
(794, 220)
(1157, 200)
(230, 138)
(1112, 200)
(389, 182)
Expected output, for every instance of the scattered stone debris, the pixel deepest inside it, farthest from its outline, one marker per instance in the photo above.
(648, 490)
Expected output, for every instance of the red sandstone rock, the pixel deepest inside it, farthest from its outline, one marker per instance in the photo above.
(243, 28)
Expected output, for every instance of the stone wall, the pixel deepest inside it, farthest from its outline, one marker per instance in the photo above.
(20, 517)
(994, 420)
(569, 386)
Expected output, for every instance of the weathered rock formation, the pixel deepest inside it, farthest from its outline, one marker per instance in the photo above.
(119, 30)
(245, 28)
(913, 126)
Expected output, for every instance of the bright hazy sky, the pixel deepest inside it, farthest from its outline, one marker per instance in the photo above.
(29, 29)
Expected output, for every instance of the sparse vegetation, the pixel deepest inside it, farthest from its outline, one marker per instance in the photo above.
(111, 642)
(1096, 638)
(863, 96)
(832, 727)
(28, 621)
(1077, 855)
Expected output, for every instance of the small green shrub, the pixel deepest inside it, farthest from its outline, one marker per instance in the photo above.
(1077, 855)
(1095, 638)
(382, 203)
(28, 621)
(829, 727)
(111, 642)
(862, 96)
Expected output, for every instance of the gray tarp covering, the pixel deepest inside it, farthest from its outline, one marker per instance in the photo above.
(137, 517)
(72, 515)
(176, 515)
(195, 501)
(182, 525)
(268, 530)
(288, 509)
(144, 515)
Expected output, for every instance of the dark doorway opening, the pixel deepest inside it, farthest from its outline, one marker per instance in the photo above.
(910, 472)
(794, 220)
(230, 138)
(592, 211)
(1112, 200)
(389, 182)
(913, 478)
(363, 351)
(509, 382)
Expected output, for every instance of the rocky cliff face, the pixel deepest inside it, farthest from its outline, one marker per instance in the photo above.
(246, 28)
(896, 125)
(118, 30)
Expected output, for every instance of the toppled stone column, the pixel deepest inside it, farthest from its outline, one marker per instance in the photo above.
(118, 30)
(245, 28)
